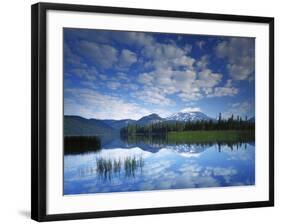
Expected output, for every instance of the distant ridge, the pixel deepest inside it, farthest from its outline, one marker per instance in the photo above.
(152, 118)
(118, 124)
(76, 125)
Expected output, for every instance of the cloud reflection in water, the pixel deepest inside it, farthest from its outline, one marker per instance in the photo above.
(172, 167)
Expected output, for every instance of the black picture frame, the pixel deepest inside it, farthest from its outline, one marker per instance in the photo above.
(39, 122)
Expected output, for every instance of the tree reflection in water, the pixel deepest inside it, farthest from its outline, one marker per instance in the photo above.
(156, 142)
(106, 167)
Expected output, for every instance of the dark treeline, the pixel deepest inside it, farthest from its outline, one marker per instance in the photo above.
(162, 128)
(81, 144)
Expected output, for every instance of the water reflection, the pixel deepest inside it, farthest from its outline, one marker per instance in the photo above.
(155, 142)
(106, 167)
(156, 163)
(81, 144)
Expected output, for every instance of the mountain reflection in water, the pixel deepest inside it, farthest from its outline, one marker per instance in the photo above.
(141, 164)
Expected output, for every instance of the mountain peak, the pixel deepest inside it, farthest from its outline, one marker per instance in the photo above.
(188, 116)
(153, 115)
(151, 118)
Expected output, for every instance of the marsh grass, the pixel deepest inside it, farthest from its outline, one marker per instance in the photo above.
(106, 167)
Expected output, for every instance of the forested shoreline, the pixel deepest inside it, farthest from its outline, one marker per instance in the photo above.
(165, 127)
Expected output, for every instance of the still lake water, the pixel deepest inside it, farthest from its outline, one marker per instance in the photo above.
(156, 165)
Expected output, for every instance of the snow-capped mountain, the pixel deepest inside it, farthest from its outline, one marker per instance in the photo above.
(189, 116)
(75, 125)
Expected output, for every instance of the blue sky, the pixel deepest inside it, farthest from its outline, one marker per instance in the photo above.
(120, 75)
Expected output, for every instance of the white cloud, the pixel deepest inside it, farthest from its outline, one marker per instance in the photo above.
(145, 78)
(190, 96)
(113, 85)
(188, 48)
(202, 62)
(91, 104)
(219, 171)
(188, 84)
(240, 53)
(130, 86)
(170, 70)
(122, 76)
(134, 38)
(86, 73)
(173, 72)
(227, 90)
(102, 55)
(127, 58)
(207, 78)
(163, 56)
(71, 58)
(153, 95)
(168, 80)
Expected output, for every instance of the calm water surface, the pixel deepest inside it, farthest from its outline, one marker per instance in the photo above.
(151, 164)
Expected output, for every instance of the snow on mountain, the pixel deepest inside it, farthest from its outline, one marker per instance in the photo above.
(188, 116)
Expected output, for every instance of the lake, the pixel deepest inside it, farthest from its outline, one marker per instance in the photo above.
(155, 163)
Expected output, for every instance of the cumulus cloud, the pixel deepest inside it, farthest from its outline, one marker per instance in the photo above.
(71, 58)
(167, 56)
(113, 85)
(127, 58)
(86, 73)
(173, 72)
(187, 84)
(167, 82)
(93, 104)
(189, 96)
(153, 95)
(240, 53)
(134, 38)
(155, 72)
(202, 62)
(170, 81)
(227, 90)
(130, 86)
(207, 78)
(102, 55)
(122, 76)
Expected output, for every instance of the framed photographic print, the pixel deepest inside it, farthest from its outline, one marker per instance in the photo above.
(138, 111)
